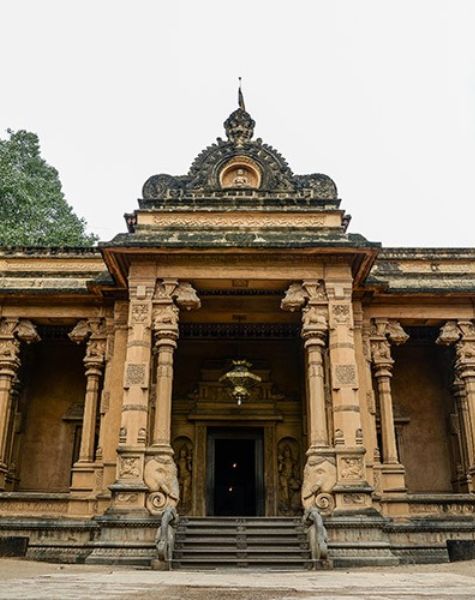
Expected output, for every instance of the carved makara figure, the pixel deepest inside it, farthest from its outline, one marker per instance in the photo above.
(289, 482)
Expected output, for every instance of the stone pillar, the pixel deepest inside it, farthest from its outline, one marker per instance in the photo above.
(160, 473)
(461, 333)
(334, 473)
(12, 332)
(352, 491)
(466, 445)
(93, 332)
(129, 490)
(368, 402)
(384, 332)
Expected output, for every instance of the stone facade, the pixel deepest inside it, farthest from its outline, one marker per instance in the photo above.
(111, 365)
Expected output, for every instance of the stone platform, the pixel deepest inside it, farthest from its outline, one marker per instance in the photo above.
(354, 540)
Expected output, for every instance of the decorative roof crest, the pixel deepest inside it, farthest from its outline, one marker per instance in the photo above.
(239, 126)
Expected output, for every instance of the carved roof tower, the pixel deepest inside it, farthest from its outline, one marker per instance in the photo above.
(265, 172)
(238, 193)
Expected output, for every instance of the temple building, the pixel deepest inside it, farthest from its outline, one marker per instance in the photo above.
(231, 370)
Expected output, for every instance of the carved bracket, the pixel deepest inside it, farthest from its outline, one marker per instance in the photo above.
(92, 331)
(171, 295)
(462, 334)
(311, 298)
(12, 332)
(383, 333)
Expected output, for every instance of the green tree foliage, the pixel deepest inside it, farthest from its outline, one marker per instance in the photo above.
(33, 210)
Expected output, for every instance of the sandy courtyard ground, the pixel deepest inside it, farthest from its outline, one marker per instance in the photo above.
(31, 580)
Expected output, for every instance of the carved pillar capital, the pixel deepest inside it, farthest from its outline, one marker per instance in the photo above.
(301, 293)
(383, 333)
(12, 332)
(93, 332)
(170, 296)
(461, 334)
(309, 297)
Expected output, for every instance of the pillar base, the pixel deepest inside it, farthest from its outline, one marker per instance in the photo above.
(393, 479)
(83, 478)
(128, 498)
(471, 480)
(3, 476)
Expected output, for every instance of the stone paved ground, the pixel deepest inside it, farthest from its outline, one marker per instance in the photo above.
(26, 580)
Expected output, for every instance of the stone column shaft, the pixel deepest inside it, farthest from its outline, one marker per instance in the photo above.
(163, 406)
(466, 446)
(88, 434)
(317, 418)
(6, 380)
(388, 431)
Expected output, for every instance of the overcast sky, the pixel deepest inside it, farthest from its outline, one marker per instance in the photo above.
(378, 94)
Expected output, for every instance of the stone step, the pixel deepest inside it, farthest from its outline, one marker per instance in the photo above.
(264, 543)
(258, 563)
(234, 550)
(232, 541)
(208, 530)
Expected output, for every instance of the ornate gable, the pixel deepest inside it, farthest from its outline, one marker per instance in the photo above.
(240, 164)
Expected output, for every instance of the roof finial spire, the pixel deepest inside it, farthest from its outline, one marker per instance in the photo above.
(242, 106)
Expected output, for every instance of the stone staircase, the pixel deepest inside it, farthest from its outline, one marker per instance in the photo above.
(241, 542)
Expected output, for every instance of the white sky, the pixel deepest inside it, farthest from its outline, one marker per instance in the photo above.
(378, 94)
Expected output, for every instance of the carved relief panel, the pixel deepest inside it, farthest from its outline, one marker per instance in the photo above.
(289, 476)
(183, 448)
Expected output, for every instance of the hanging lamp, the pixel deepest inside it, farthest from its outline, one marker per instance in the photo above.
(240, 380)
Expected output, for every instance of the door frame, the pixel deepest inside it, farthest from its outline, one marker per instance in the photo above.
(238, 433)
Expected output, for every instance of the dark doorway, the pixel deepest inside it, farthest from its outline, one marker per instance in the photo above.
(235, 472)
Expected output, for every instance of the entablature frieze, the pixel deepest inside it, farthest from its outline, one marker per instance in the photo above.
(239, 219)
